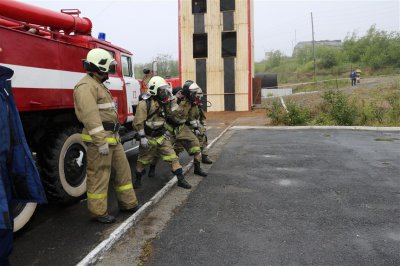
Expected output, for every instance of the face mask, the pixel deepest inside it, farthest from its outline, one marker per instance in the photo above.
(179, 95)
(192, 96)
(163, 94)
(197, 101)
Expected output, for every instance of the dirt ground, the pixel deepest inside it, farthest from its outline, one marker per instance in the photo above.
(257, 117)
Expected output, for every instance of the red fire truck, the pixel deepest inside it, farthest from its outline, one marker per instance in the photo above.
(45, 49)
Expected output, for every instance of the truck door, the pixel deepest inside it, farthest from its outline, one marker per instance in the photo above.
(131, 84)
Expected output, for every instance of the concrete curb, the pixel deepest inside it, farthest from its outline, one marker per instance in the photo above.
(117, 234)
(388, 129)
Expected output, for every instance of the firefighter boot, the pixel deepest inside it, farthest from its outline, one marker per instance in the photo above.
(152, 170)
(108, 219)
(205, 159)
(132, 210)
(138, 179)
(197, 169)
(181, 179)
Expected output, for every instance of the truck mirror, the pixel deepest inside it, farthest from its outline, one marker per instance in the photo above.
(154, 66)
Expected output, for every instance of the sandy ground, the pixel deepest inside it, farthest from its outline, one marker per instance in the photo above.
(257, 117)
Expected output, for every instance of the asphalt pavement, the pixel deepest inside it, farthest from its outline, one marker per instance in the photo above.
(291, 197)
(64, 235)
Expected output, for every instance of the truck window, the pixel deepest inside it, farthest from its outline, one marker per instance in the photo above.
(126, 66)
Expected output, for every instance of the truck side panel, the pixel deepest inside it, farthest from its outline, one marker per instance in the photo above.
(46, 72)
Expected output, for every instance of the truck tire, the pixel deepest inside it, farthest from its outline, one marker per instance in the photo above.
(22, 213)
(63, 167)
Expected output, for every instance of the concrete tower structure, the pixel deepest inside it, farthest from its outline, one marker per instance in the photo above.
(216, 50)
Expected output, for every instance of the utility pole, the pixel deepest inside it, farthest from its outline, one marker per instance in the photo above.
(295, 43)
(313, 42)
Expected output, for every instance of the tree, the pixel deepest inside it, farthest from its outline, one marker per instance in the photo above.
(328, 57)
(275, 58)
(166, 66)
(377, 49)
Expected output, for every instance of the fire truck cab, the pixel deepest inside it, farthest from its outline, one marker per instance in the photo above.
(45, 49)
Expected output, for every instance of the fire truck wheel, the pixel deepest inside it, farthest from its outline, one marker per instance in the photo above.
(22, 213)
(64, 170)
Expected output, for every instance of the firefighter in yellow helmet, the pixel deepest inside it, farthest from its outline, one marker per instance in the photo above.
(95, 108)
(149, 122)
(177, 125)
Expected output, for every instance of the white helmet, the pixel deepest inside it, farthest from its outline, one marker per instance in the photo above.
(190, 90)
(159, 88)
(199, 93)
(99, 60)
(155, 83)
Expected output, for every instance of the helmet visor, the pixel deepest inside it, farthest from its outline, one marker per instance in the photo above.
(164, 94)
(192, 95)
(111, 67)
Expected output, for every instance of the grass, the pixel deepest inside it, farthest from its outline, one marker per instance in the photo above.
(369, 104)
(147, 251)
(387, 139)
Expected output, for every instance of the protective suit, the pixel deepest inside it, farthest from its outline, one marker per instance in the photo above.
(19, 179)
(177, 120)
(150, 123)
(197, 123)
(95, 108)
(176, 124)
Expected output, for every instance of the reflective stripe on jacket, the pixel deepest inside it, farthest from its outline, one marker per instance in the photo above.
(111, 140)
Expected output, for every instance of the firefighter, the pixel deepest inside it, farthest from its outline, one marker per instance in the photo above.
(19, 179)
(176, 125)
(197, 123)
(95, 108)
(149, 122)
(153, 164)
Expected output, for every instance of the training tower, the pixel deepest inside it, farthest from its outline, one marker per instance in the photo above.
(216, 50)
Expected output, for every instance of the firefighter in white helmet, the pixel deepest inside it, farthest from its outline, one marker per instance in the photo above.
(95, 108)
(149, 121)
(197, 122)
(177, 125)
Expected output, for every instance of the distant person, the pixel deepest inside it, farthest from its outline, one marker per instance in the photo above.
(353, 77)
(19, 178)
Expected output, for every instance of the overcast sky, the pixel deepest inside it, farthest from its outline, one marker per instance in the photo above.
(148, 28)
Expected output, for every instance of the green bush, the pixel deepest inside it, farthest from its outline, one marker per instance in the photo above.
(372, 113)
(394, 111)
(339, 108)
(277, 113)
(275, 59)
(328, 57)
(297, 115)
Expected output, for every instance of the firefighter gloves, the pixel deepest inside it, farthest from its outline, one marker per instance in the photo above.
(104, 149)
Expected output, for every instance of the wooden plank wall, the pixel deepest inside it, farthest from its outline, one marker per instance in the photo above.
(213, 20)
